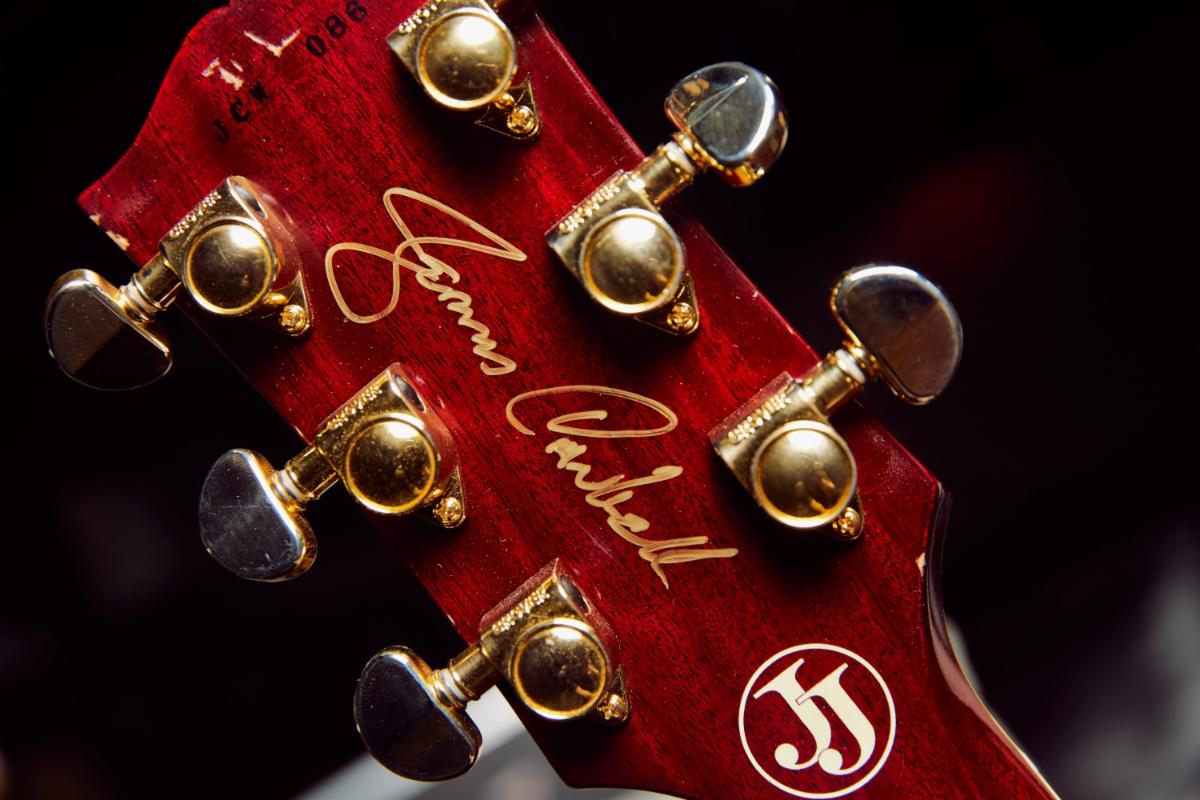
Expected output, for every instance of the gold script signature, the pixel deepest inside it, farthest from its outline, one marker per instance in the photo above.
(608, 494)
(429, 272)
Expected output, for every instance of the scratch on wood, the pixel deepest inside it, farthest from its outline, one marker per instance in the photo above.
(275, 49)
(121, 241)
(921, 564)
(233, 80)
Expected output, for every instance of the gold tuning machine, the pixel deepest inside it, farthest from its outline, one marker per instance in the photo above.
(393, 453)
(236, 256)
(546, 640)
(730, 120)
(780, 445)
(464, 57)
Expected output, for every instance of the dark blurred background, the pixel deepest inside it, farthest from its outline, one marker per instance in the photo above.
(1037, 160)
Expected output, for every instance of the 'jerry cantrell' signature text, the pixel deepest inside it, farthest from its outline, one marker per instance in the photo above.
(428, 271)
(610, 493)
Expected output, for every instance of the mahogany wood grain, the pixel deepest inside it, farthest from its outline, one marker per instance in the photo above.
(327, 136)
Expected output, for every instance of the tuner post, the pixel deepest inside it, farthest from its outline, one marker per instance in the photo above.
(781, 445)
(391, 451)
(617, 243)
(545, 641)
(464, 57)
(235, 256)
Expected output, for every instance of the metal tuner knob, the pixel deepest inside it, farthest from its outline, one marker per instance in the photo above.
(616, 242)
(900, 327)
(235, 254)
(552, 648)
(393, 453)
(464, 57)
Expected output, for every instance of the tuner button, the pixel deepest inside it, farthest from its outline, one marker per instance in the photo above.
(391, 465)
(734, 116)
(98, 339)
(247, 526)
(804, 474)
(466, 59)
(238, 255)
(560, 669)
(229, 268)
(406, 722)
(632, 262)
(394, 452)
(905, 324)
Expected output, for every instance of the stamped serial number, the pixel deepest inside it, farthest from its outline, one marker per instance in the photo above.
(319, 40)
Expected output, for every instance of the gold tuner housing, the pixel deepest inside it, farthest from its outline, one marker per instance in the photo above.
(617, 244)
(780, 444)
(464, 57)
(393, 453)
(234, 253)
(552, 647)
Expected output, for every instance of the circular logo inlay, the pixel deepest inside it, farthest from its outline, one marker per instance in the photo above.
(817, 720)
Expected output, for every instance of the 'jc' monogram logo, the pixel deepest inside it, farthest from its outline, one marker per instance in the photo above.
(817, 721)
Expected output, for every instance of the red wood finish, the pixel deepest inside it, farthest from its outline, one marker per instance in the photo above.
(327, 135)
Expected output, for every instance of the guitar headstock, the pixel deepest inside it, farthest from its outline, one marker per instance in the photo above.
(583, 442)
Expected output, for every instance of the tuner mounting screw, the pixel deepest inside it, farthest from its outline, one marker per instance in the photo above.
(293, 319)
(849, 525)
(449, 512)
(522, 121)
(682, 318)
(614, 709)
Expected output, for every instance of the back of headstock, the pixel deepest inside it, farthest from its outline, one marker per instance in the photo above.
(340, 138)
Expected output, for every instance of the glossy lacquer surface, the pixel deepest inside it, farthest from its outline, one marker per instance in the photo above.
(308, 102)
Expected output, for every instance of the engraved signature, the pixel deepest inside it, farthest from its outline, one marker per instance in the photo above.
(428, 271)
(608, 494)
